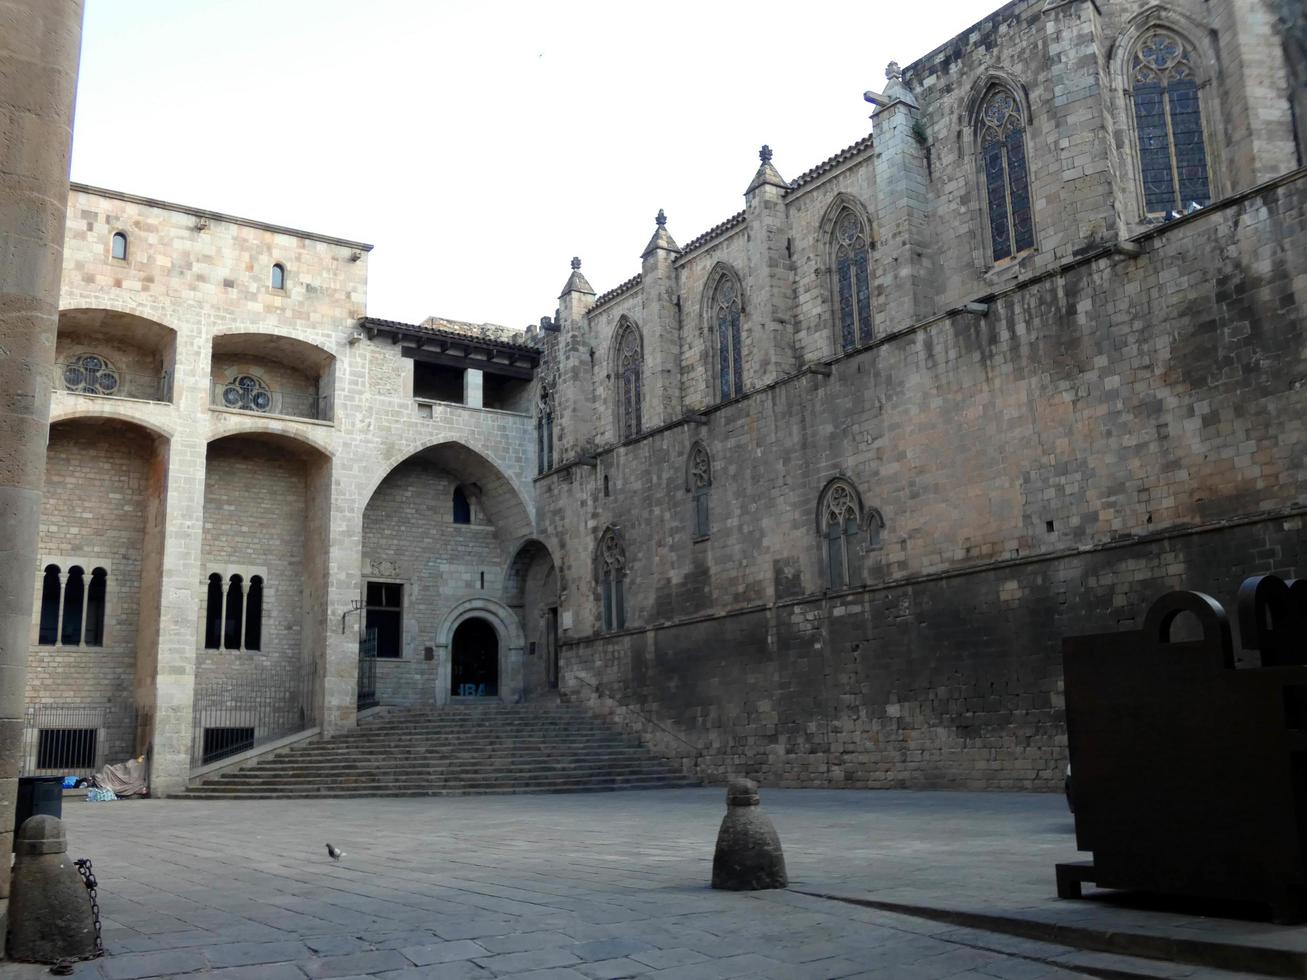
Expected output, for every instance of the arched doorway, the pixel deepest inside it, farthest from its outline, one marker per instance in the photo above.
(474, 660)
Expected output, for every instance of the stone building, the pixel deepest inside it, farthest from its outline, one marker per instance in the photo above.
(811, 497)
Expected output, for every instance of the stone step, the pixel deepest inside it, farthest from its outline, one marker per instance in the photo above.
(454, 751)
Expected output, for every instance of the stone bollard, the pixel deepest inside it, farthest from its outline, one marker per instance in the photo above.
(748, 856)
(49, 911)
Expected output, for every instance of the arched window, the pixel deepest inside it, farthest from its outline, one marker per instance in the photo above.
(612, 579)
(852, 274)
(248, 393)
(93, 635)
(278, 276)
(74, 594)
(544, 431)
(90, 374)
(726, 310)
(630, 365)
(1168, 123)
(118, 246)
(48, 633)
(231, 635)
(254, 614)
(698, 481)
(462, 509)
(839, 518)
(1002, 141)
(213, 614)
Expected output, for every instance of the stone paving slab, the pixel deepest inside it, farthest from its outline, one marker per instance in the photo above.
(593, 887)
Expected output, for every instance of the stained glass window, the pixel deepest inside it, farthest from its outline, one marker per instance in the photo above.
(852, 280)
(630, 363)
(1007, 181)
(730, 353)
(1168, 124)
(841, 515)
(90, 374)
(612, 574)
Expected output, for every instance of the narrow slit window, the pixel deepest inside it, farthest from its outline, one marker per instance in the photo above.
(254, 614)
(213, 614)
(278, 276)
(74, 594)
(95, 608)
(48, 632)
(231, 638)
(462, 509)
(118, 246)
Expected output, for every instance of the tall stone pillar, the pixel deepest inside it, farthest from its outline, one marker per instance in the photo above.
(40, 41)
(574, 408)
(769, 278)
(661, 321)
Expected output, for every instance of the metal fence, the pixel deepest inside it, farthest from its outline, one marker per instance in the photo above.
(231, 716)
(258, 398)
(368, 671)
(65, 740)
(110, 383)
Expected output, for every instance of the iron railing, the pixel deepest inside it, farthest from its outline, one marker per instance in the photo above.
(368, 671)
(237, 396)
(234, 716)
(66, 740)
(112, 383)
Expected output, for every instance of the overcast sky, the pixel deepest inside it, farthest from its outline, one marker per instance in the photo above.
(479, 146)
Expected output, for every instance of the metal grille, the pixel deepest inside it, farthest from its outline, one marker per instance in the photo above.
(65, 740)
(368, 670)
(234, 716)
(88, 375)
(246, 393)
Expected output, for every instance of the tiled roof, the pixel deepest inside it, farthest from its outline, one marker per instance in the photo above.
(713, 232)
(831, 163)
(618, 290)
(488, 333)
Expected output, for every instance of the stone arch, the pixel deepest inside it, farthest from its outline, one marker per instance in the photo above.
(533, 588)
(110, 412)
(142, 350)
(272, 430)
(994, 76)
(511, 645)
(826, 490)
(1206, 67)
(501, 495)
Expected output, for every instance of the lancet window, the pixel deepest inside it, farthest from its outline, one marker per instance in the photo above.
(612, 580)
(852, 279)
(839, 520)
(1007, 180)
(72, 610)
(1168, 124)
(727, 309)
(233, 614)
(630, 368)
(699, 482)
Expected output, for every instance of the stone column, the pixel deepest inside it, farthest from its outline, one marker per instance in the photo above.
(769, 278)
(40, 41)
(574, 409)
(660, 318)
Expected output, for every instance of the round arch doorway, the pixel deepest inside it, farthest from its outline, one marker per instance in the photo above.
(474, 660)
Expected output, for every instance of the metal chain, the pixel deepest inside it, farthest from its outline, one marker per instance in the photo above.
(64, 967)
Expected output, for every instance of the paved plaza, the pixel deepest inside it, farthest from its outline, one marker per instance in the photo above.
(594, 887)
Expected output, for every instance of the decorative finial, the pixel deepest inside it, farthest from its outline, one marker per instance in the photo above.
(892, 70)
(661, 219)
(765, 154)
(576, 263)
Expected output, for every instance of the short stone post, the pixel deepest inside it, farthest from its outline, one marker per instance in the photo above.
(748, 856)
(49, 911)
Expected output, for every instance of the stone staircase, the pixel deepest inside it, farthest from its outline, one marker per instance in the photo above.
(454, 751)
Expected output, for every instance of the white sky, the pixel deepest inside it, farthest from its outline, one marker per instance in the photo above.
(479, 146)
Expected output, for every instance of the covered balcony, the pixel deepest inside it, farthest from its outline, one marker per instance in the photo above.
(271, 375)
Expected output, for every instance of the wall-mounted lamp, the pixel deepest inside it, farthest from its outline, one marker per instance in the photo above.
(355, 255)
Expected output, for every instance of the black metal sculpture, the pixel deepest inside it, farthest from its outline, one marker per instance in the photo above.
(1189, 776)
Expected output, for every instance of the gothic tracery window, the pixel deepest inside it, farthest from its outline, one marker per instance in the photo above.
(699, 482)
(730, 353)
(247, 392)
(90, 374)
(840, 518)
(1007, 181)
(630, 365)
(612, 576)
(852, 268)
(1168, 124)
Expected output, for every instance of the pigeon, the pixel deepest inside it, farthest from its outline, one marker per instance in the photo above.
(336, 855)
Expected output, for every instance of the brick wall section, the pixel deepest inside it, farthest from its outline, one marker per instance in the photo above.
(94, 509)
(254, 506)
(1122, 399)
(409, 536)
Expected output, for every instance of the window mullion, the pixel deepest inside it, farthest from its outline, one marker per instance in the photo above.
(59, 623)
(1171, 152)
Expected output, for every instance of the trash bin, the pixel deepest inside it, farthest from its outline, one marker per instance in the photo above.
(38, 794)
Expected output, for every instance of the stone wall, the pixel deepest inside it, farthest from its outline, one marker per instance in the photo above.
(1120, 428)
(93, 514)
